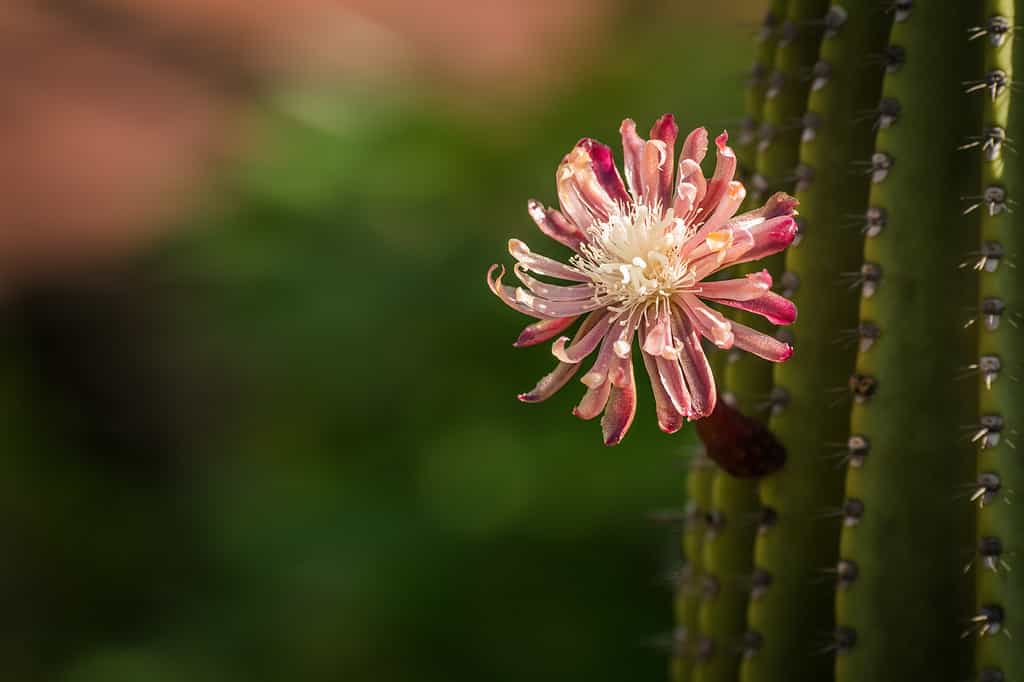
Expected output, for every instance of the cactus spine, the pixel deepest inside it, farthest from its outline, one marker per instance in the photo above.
(1000, 528)
(795, 552)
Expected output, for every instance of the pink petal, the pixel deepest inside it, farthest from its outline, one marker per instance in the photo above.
(508, 294)
(695, 146)
(555, 225)
(707, 322)
(690, 190)
(743, 289)
(778, 204)
(597, 381)
(725, 168)
(593, 401)
(543, 265)
(771, 306)
(606, 172)
(747, 243)
(658, 333)
(560, 376)
(621, 407)
(696, 368)
(589, 187)
(734, 194)
(670, 419)
(554, 292)
(633, 151)
(665, 131)
(585, 344)
(538, 332)
(761, 345)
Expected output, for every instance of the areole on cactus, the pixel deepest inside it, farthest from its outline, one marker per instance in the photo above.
(883, 547)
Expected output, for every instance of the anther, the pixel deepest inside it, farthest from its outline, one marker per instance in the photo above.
(992, 310)
(857, 448)
(895, 58)
(766, 518)
(843, 639)
(874, 220)
(821, 74)
(789, 282)
(804, 177)
(990, 549)
(990, 427)
(846, 572)
(853, 511)
(811, 123)
(881, 164)
(987, 487)
(870, 278)
(867, 333)
(752, 643)
(888, 112)
(776, 82)
(901, 10)
(760, 581)
(862, 386)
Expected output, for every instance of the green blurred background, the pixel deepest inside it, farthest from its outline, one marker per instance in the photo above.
(281, 441)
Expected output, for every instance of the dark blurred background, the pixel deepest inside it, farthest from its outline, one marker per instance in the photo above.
(259, 406)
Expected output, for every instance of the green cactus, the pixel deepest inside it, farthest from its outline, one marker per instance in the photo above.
(892, 539)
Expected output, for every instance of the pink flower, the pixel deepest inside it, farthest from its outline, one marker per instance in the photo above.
(640, 268)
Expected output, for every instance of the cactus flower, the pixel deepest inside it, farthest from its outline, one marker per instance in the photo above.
(641, 269)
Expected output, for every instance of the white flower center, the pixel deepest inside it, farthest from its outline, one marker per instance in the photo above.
(634, 259)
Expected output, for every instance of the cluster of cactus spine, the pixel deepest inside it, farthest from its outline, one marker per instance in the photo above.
(883, 548)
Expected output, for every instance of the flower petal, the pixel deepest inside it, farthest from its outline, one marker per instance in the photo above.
(555, 225)
(508, 294)
(543, 265)
(589, 187)
(664, 131)
(584, 344)
(598, 381)
(735, 192)
(761, 345)
(538, 332)
(704, 320)
(690, 190)
(696, 368)
(741, 289)
(670, 419)
(732, 244)
(554, 292)
(725, 168)
(695, 146)
(657, 336)
(771, 306)
(559, 377)
(621, 407)
(632, 151)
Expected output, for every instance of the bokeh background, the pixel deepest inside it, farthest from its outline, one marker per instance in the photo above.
(259, 406)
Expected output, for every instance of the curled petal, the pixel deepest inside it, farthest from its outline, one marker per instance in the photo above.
(690, 190)
(742, 289)
(725, 168)
(695, 146)
(564, 371)
(735, 192)
(589, 187)
(555, 225)
(593, 401)
(777, 205)
(771, 306)
(696, 368)
(657, 339)
(633, 151)
(554, 292)
(655, 157)
(621, 407)
(707, 322)
(509, 294)
(543, 265)
(597, 381)
(670, 419)
(538, 332)
(664, 131)
(584, 344)
(761, 345)
(732, 245)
